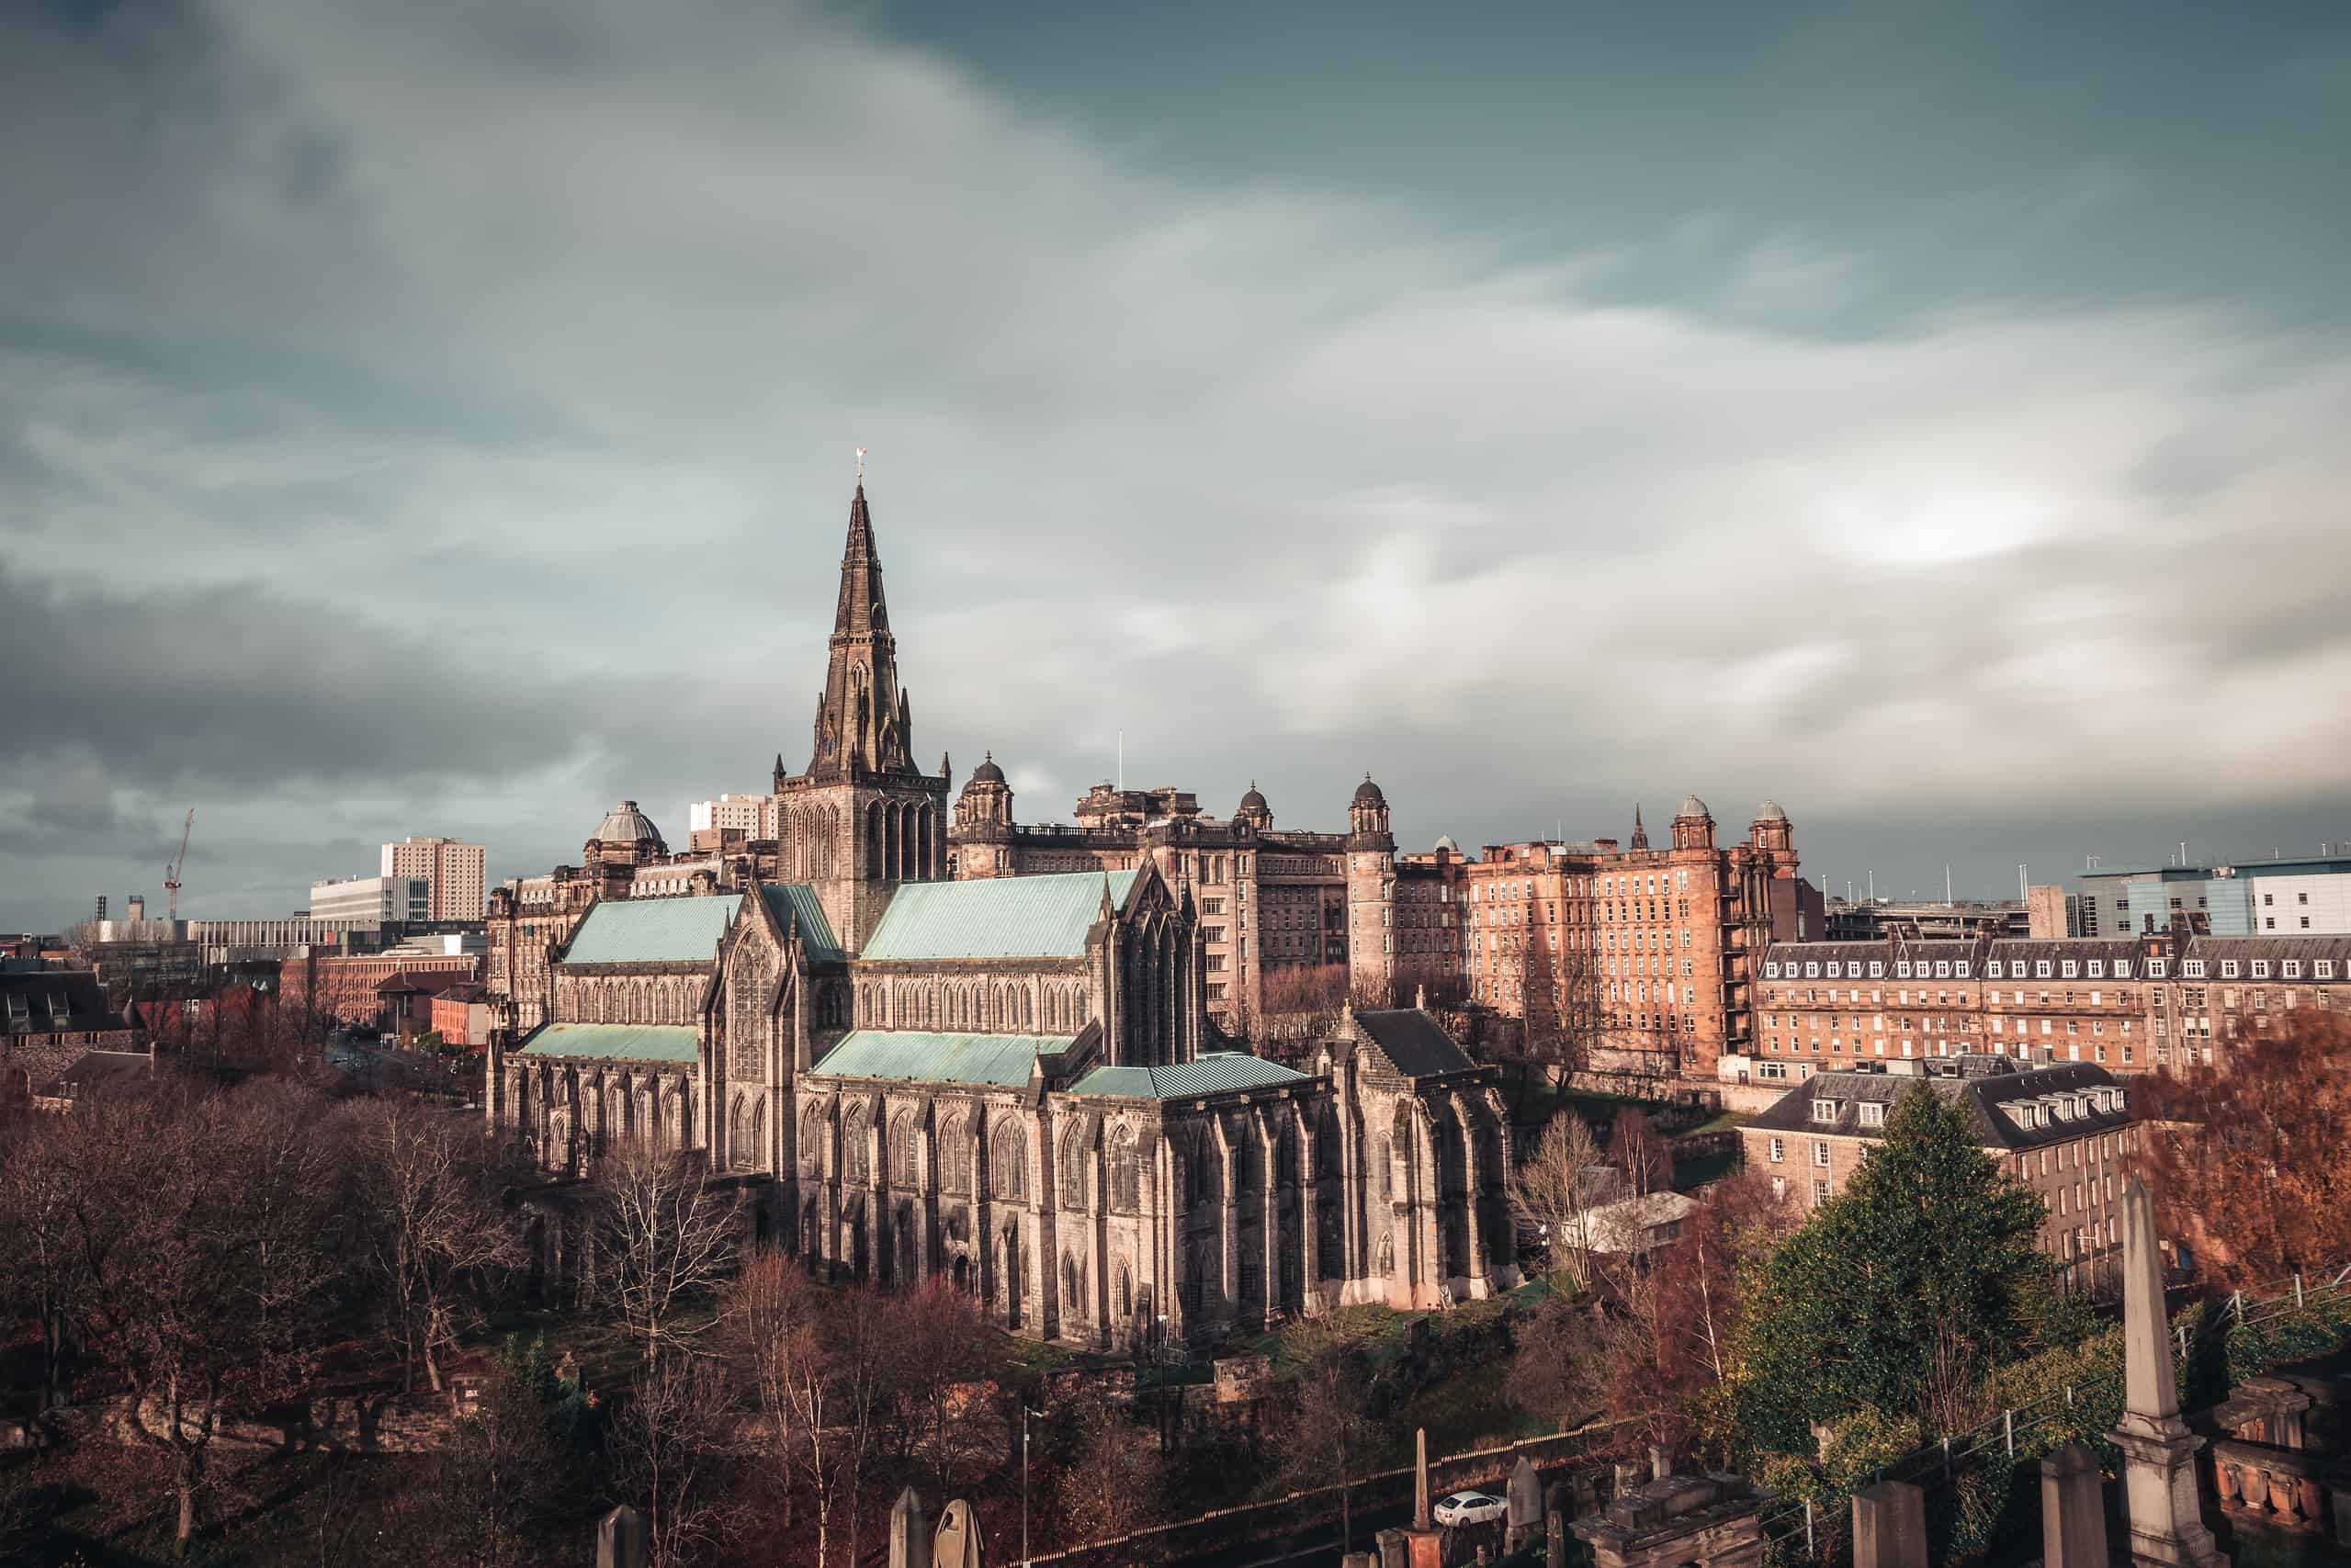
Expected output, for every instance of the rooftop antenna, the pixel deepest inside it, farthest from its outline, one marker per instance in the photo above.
(2024, 882)
(861, 465)
(1121, 762)
(1946, 882)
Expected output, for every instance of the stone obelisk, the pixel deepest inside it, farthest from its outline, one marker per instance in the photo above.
(2158, 1451)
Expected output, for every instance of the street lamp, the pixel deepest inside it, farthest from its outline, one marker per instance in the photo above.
(1025, 1413)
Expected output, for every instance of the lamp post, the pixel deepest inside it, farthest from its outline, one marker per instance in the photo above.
(1025, 1413)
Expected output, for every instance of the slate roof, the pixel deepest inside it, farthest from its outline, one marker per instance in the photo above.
(997, 1061)
(2212, 949)
(787, 900)
(1416, 1042)
(55, 1001)
(1013, 917)
(652, 931)
(2012, 950)
(1981, 1095)
(96, 1072)
(1219, 1072)
(614, 1041)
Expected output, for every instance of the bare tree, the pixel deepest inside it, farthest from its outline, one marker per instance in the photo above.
(500, 1471)
(434, 1229)
(667, 1450)
(1559, 1370)
(937, 1343)
(1553, 1190)
(1114, 1482)
(1300, 1003)
(1332, 1437)
(208, 1240)
(666, 1240)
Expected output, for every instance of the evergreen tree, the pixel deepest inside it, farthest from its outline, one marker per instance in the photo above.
(1899, 1295)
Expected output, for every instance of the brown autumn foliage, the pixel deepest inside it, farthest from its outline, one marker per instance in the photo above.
(2251, 1157)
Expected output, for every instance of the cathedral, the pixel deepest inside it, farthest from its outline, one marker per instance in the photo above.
(1015, 1082)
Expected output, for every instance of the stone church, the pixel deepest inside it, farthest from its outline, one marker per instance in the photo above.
(1012, 1082)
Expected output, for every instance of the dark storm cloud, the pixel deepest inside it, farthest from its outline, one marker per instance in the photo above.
(438, 419)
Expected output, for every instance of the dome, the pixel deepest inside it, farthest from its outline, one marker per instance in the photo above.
(1368, 794)
(1692, 806)
(1447, 845)
(624, 824)
(988, 772)
(1770, 811)
(1253, 801)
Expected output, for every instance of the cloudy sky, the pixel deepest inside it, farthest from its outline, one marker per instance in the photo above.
(438, 418)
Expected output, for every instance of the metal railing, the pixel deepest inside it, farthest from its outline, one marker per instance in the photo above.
(1817, 1530)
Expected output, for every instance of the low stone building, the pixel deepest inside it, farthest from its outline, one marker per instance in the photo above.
(49, 1019)
(2064, 1130)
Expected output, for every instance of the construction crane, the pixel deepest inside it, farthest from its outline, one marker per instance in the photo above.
(171, 872)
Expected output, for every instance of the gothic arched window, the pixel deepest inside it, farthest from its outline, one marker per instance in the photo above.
(855, 1163)
(954, 1156)
(904, 1166)
(1123, 1170)
(1070, 1168)
(1008, 1162)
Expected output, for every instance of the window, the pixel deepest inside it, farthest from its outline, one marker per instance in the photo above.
(2228, 969)
(1779, 1150)
(1874, 1114)
(1820, 1192)
(1995, 971)
(1820, 1155)
(2193, 968)
(2261, 969)
(1824, 1109)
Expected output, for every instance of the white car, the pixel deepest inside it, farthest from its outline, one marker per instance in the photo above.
(1470, 1508)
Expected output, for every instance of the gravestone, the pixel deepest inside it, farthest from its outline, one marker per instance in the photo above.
(1525, 1496)
(2166, 1521)
(1889, 1526)
(620, 1538)
(2072, 1509)
(956, 1544)
(909, 1543)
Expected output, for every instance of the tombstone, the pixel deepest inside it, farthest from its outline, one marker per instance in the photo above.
(620, 1538)
(1359, 1560)
(2158, 1451)
(1525, 1496)
(956, 1544)
(909, 1543)
(1889, 1526)
(1396, 1548)
(1554, 1545)
(2072, 1509)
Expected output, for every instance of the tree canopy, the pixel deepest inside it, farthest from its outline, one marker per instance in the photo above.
(1899, 1293)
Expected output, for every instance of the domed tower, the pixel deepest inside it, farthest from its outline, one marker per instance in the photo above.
(625, 837)
(1693, 824)
(1371, 898)
(1254, 811)
(1772, 830)
(982, 835)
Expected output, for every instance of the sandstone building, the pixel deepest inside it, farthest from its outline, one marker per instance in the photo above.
(1012, 1082)
(2165, 1000)
(2063, 1131)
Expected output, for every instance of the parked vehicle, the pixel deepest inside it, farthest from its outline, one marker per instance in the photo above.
(1470, 1508)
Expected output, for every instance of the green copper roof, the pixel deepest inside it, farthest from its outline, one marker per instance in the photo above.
(787, 899)
(618, 1042)
(1217, 1072)
(997, 1060)
(1012, 917)
(652, 931)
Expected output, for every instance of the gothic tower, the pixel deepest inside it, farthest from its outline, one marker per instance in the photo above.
(863, 818)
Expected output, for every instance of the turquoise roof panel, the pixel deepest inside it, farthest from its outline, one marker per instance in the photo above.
(1012, 917)
(786, 900)
(1000, 1061)
(652, 931)
(1217, 1072)
(614, 1041)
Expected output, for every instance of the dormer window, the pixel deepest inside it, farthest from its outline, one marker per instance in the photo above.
(2228, 969)
(2193, 968)
(1902, 969)
(2322, 968)
(2157, 966)
(2291, 968)
(1835, 969)
(2122, 968)
(1826, 1110)
(2041, 968)
(1996, 970)
(1812, 971)
(2072, 970)
(1959, 970)
(1874, 1114)
(1772, 971)
(2261, 969)
(1877, 969)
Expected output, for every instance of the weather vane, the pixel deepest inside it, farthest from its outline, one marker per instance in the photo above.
(861, 465)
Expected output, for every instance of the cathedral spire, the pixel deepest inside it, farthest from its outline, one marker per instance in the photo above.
(1640, 834)
(863, 721)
